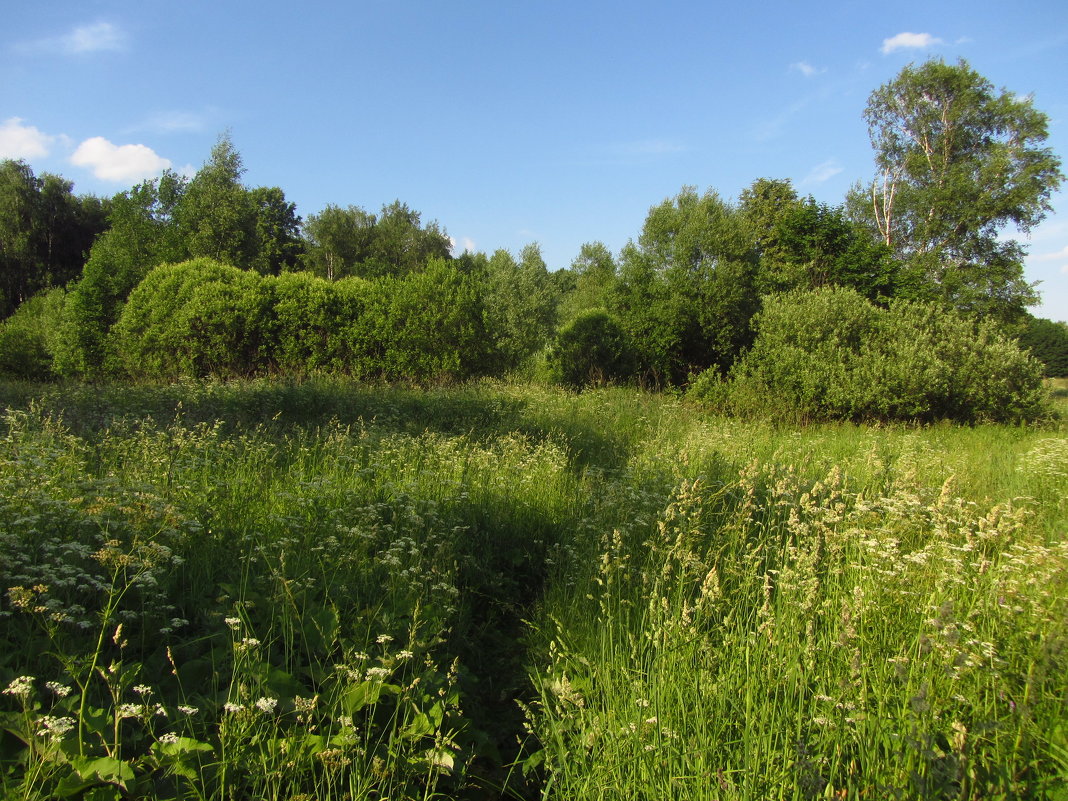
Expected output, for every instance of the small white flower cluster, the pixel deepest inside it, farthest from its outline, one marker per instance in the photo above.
(54, 728)
(59, 690)
(21, 687)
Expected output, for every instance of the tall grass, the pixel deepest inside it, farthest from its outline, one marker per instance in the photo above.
(273, 590)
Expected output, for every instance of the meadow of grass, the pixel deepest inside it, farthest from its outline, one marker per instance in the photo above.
(325, 590)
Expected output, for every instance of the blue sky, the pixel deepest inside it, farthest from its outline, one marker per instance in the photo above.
(507, 122)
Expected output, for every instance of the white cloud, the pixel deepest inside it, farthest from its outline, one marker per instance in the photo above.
(110, 162)
(18, 141)
(905, 41)
(822, 172)
(807, 69)
(465, 245)
(94, 38)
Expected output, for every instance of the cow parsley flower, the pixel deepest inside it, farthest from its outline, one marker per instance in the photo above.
(21, 687)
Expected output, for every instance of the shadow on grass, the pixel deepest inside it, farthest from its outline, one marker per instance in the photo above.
(480, 412)
(503, 540)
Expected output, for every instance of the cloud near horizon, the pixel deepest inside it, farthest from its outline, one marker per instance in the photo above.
(110, 162)
(909, 41)
(18, 141)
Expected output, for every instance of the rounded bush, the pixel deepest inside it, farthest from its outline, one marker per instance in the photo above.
(829, 354)
(592, 349)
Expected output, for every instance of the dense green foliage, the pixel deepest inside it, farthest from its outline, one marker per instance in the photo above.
(45, 232)
(592, 349)
(350, 241)
(1048, 341)
(171, 220)
(245, 289)
(958, 163)
(31, 336)
(277, 590)
(831, 354)
(202, 318)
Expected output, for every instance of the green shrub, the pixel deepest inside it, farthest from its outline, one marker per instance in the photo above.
(314, 319)
(829, 354)
(426, 326)
(28, 339)
(202, 318)
(197, 318)
(592, 349)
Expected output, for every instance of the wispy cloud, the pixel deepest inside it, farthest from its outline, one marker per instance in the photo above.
(772, 128)
(1055, 256)
(110, 162)
(909, 41)
(96, 37)
(823, 171)
(807, 69)
(166, 122)
(20, 141)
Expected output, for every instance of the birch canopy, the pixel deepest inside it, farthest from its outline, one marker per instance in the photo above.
(957, 164)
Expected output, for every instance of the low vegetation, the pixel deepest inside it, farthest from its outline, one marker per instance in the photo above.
(266, 589)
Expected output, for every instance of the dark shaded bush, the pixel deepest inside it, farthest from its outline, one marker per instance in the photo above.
(28, 338)
(592, 349)
(1048, 341)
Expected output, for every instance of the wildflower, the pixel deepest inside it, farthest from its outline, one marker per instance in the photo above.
(170, 738)
(21, 687)
(382, 639)
(189, 711)
(232, 708)
(233, 622)
(377, 673)
(142, 690)
(305, 704)
(54, 728)
(130, 710)
(360, 656)
(405, 655)
(60, 690)
(266, 705)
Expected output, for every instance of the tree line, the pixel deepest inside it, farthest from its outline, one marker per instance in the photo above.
(233, 278)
